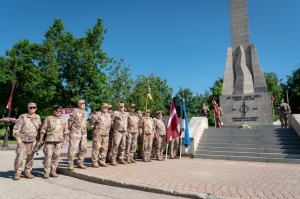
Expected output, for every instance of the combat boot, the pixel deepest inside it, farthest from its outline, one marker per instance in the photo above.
(17, 176)
(149, 159)
(132, 160)
(81, 166)
(122, 161)
(53, 174)
(159, 158)
(128, 161)
(102, 164)
(70, 167)
(113, 163)
(95, 164)
(145, 160)
(28, 174)
(46, 175)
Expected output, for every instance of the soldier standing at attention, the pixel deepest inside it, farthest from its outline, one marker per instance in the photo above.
(148, 125)
(101, 122)
(204, 110)
(111, 132)
(284, 112)
(119, 124)
(25, 132)
(56, 129)
(132, 129)
(159, 135)
(78, 135)
(140, 134)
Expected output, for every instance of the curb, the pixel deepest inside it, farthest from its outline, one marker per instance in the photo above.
(140, 187)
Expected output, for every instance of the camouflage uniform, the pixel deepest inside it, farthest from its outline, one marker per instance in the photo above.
(160, 131)
(284, 112)
(148, 140)
(132, 129)
(140, 137)
(174, 148)
(55, 128)
(101, 127)
(119, 121)
(26, 129)
(204, 110)
(78, 135)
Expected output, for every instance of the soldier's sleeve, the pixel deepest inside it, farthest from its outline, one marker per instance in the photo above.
(71, 119)
(65, 130)
(39, 123)
(44, 126)
(17, 127)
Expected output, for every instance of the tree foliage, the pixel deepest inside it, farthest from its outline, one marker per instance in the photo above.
(293, 88)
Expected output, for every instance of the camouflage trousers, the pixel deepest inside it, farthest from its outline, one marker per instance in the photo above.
(174, 146)
(159, 144)
(24, 149)
(118, 145)
(52, 153)
(77, 141)
(131, 142)
(100, 146)
(148, 141)
(284, 120)
(140, 140)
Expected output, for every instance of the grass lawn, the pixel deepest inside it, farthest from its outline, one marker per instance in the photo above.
(2, 133)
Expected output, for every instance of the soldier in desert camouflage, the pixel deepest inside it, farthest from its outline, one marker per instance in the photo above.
(56, 129)
(119, 124)
(78, 135)
(132, 129)
(25, 132)
(140, 135)
(148, 126)
(160, 135)
(101, 122)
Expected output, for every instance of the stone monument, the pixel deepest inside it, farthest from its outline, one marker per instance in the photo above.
(245, 96)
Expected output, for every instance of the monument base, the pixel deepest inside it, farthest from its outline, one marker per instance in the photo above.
(253, 108)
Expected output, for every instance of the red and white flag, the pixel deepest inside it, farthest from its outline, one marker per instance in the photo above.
(217, 112)
(8, 105)
(272, 98)
(173, 122)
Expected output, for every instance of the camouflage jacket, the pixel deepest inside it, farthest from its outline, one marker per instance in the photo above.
(284, 109)
(149, 128)
(77, 121)
(55, 128)
(119, 121)
(101, 123)
(159, 126)
(133, 123)
(27, 127)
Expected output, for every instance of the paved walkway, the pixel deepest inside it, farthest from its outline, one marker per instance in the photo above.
(198, 178)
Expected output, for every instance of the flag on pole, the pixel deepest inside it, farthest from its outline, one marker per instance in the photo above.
(185, 123)
(216, 108)
(8, 105)
(272, 98)
(149, 92)
(173, 122)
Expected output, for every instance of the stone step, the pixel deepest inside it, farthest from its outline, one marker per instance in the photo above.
(288, 138)
(255, 150)
(249, 154)
(250, 141)
(270, 146)
(251, 159)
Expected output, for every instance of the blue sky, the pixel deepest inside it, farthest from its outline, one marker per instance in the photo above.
(182, 41)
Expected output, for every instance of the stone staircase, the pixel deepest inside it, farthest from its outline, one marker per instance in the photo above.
(261, 144)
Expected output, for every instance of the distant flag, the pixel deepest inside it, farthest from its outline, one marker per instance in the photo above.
(8, 105)
(185, 125)
(272, 98)
(149, 92)
(217, 111)
(173, 122)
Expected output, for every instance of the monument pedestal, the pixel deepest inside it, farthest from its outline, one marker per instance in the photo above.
(253, 108)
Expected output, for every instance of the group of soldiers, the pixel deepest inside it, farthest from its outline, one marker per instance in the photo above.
(116, 135)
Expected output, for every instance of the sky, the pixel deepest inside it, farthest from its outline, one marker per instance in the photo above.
(182, 41)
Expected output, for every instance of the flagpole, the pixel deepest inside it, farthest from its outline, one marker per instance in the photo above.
(180, 147)
(167, 152)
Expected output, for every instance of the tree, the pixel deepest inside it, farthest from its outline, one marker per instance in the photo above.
(293, 88)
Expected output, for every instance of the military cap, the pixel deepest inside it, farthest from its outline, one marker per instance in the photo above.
(31, 105)
(139, 111)
(82, 101)
(57, 107)
(104, 105)
(158, 112)
(121, 104)
(109, 106)
(148, 111)
(132, 106)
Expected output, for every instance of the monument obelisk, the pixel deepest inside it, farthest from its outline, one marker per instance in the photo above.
(245, 95)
